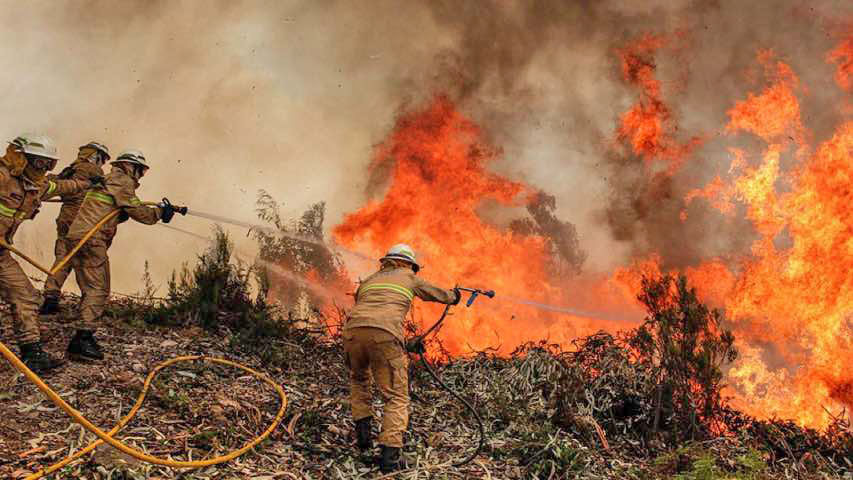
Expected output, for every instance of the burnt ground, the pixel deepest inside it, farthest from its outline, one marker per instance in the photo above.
(197, 411)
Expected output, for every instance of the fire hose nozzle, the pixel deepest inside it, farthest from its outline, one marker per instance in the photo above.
(180, 209)
(474, 292)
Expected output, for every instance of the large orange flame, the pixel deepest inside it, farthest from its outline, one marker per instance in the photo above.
(791, 306)
(438, 182)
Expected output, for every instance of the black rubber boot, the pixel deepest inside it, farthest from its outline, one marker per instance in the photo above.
(37, 359)
(84, 347)
(363, 437)
(390, 460)
(50, 305)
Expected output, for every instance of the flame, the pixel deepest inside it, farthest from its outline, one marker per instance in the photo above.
(843, 56)
(775, 111)
(438, 182)
(648, 126)
(791, 306)
(789, 300)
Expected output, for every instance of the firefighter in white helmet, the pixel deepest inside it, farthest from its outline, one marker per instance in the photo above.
(91, 158)
(91, 264)
(374, 345)
(23, 186)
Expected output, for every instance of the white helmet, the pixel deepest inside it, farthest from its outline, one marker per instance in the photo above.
(403, 252)
(99, 147)
(38, 145)
(134, 157)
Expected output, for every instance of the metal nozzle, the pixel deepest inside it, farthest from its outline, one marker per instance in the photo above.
(474, 292)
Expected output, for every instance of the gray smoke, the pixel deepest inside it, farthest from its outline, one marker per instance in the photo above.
(229, 97)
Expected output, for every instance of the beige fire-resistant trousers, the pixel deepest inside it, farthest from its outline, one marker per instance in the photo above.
(375, 353)
(92, 271)
(17, 290)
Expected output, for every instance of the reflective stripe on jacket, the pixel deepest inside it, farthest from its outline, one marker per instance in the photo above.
(119, 192)
(383, 299)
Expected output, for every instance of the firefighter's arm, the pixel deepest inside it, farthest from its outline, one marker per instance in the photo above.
(73, 179)
(143, 214)
(126, 199)
(65, 187)
(430, 293)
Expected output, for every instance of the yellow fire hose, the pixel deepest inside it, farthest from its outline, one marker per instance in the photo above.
(107, 437)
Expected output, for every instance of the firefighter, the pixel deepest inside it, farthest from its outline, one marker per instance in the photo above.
(374, 346)
(23, 186)
(91, 264)
(90, 161)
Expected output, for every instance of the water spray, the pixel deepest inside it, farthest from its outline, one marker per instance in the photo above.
(277, 269)
(337, 248)
(274, 231)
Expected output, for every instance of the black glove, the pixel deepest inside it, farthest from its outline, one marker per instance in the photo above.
(416, 345)
(167, 211)
(66, 173)
(458, 296)
(96, 180)
(123, 216)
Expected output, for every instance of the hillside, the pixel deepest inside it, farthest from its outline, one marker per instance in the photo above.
(548, 414)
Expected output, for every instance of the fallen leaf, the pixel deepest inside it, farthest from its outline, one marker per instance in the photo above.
(293, 423)
(30, 452)
(228, 403)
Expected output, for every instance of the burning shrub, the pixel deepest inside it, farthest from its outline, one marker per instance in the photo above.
(662, 377)
(682, 343)
(297, 247)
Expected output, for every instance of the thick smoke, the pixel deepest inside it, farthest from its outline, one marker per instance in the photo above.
(225, 98)
(544, 78)
(229, 97)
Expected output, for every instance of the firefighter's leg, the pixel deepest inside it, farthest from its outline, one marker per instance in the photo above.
(53, 284)
(390, 364)
(18, 291)
(358, 360)
(92, 270)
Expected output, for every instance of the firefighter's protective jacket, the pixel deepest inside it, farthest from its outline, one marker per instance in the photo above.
(119, 192)
(81, 169)
(384, 299)
(20, 199)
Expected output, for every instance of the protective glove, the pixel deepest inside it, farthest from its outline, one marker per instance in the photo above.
(167, 211)
(66, 173)
(458, 294)
(96, 180)
(123, 216)
(416, 345)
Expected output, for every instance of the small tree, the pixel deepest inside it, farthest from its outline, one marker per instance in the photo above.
(214, 289)
(297, 247)
(561, 237)
(684, 343)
